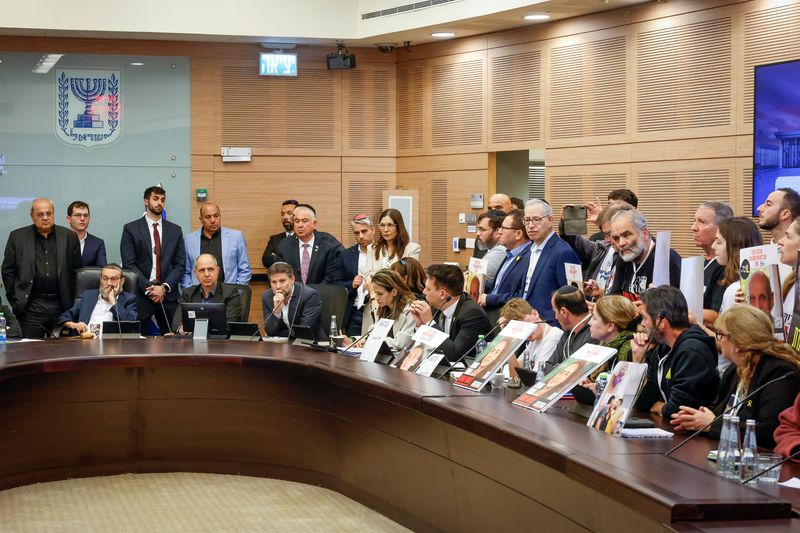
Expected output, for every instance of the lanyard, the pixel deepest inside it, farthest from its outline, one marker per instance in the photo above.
(712, 260)
(637, 268)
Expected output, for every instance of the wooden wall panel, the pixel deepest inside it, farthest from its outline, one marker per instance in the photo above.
(578, 185)
(587, 92)
(370, 108)
(362, 193)
(410, 107)
(203, 137)
(684, 77)
(515, 96)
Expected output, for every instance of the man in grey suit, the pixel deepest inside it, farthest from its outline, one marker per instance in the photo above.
(287, 303)
(39, 269)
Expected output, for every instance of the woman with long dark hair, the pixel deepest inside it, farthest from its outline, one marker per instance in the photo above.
(392, 242)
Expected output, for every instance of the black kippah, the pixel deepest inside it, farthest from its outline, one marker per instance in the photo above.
(567, 289)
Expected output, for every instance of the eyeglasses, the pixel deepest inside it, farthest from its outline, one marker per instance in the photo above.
(533, 220)
(387, 226)
(509, 229)
(719, 334)
(80, 215)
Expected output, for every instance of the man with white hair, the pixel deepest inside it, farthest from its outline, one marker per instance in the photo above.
(635, 261)
(704, 231)
(309, 253)
(548, 253)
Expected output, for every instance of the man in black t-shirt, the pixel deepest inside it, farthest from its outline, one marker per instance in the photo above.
(635, 256)
(704, 231)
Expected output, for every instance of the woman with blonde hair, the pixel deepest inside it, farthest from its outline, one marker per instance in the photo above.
(612, 325)
(393, 302)
(745, 334)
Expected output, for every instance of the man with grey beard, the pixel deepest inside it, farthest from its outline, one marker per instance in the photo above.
(635, 256)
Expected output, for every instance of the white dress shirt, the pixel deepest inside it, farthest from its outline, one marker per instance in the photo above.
(101, 312)
(448, 317)
(536, 251)
(153, 273)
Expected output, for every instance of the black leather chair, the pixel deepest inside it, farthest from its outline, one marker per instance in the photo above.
(246, 295)
(334, 302)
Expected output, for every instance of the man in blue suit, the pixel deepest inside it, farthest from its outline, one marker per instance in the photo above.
(545, 272)
(287, 304)
(93, 249)
(508, 282)
(226, 245)
(108, 303)
(353, 260)
(154, 248)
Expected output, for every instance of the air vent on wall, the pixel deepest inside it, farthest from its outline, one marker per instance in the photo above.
(406, 8)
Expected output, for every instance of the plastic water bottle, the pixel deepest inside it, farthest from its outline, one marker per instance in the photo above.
(480, 345)
(600, 386)
(334, 331)
(749, 450)
(2, 329)
(724, 453)
(733, 436)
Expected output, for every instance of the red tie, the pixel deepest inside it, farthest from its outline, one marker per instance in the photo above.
(157, 251)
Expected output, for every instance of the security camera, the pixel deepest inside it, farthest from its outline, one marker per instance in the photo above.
(385, 48)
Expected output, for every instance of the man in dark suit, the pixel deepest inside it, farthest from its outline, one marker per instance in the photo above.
(511, 275)
(108, 303)
(206, 268)
(456, 313)
(287, 304)
(545, 272)
(353, 260)
(287, 219)
(93, 249)
(39, 269)
(312, 254)
(154, 248)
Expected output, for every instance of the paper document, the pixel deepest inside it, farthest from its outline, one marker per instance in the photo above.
(645, 433)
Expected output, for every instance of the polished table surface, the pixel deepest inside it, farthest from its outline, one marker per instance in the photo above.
(681, 491)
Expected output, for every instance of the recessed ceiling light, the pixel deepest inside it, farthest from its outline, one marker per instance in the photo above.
(537, 16)
(443, 34)
(137, 64)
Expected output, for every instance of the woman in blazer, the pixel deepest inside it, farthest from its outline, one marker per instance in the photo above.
(393, 302)
(391, 243)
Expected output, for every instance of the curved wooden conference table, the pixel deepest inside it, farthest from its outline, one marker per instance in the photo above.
(416, 449)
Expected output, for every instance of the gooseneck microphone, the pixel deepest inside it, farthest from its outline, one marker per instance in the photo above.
(466, 353)
(727, 409)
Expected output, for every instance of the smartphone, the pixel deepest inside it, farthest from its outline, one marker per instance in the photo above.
(574, 218)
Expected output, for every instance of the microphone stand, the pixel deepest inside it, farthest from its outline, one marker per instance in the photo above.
(726, 410)
(463, 355)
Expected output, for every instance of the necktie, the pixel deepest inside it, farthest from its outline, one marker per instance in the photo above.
(305, 261)
(157, 251)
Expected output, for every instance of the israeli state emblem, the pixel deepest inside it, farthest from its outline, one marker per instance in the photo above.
(88, 103)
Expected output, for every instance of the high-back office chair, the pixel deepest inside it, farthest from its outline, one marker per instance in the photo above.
(246, 294)
(334, 302)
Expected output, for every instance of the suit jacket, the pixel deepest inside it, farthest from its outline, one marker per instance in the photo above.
(226, 294)
(235, 262)
(513, 282)
(19, 263)
(305, 309)
(468, 322)
(81, 311)
(94, 252)
(268, 257)
(325, 262)
(348, 266)
(136, 251)
(548, 276)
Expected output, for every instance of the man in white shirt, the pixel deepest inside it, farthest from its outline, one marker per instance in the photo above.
(353, 261)
(106, 304)
(287, 304)
(487, 244)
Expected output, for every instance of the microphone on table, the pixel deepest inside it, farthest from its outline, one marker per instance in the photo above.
(776, 465)
(466, 353)
(119, 324)
(728, 409)
(164, 312)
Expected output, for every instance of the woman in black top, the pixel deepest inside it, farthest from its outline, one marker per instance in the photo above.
(745, 334)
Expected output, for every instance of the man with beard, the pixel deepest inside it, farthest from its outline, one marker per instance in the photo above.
(154, 248)
(704, 231)
(776, 214)
(287, 220)
(287, 304)
(682, 368)
(106, 304)
(487, 244)
(635, 261)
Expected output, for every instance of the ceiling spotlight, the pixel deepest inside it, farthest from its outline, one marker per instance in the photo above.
(537, 16)
(443, 34)
(137, 64)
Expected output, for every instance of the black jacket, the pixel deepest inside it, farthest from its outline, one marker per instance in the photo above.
(268, 257)
(765, 406)
(689, 373)
(224, 294)
(325, 264)
(469, 321)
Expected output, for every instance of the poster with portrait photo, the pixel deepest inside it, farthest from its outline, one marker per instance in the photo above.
(564, 377)
(475, 280)
(495, 355)
(616, 402)
(574, 274)
(426, 340)
(760, 281)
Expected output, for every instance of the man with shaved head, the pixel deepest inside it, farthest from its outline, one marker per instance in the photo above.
(226, 245)
(500, 202)
(209, 290)
(39, 269)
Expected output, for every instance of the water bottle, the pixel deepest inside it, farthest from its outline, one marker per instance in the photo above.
(749, 458)
(334, 331)
(480, 345)
(733, 447)
(2, 329)
(723, 450)
(600, 386)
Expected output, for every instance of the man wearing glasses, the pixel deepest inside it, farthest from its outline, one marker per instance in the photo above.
(93, 249)
(39, 269)
(511, 275)
(106, 304)
(545, 272)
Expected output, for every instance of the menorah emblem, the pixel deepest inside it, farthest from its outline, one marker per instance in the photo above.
(88, 90)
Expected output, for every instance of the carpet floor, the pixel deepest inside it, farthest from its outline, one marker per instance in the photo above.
(183, 502)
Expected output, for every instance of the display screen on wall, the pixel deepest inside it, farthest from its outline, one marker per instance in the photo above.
(277, 64)
(776, 129)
